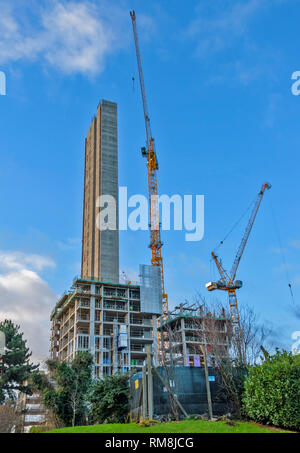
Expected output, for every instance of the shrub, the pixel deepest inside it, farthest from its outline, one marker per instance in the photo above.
(146, 423)
(109, 399)
(272, 391)
(39, 429)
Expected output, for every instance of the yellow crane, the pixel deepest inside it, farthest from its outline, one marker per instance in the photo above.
(228, 282)
(152, 167)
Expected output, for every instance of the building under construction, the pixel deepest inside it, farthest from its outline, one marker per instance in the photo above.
(100, 248)
(187, 331)
(112, 320)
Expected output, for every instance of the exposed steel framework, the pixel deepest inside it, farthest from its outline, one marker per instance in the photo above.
(228, 283)
(152, 167)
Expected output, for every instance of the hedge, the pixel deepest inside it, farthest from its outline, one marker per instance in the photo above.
(272, 391)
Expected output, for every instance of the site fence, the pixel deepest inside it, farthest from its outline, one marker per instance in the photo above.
(187, 383)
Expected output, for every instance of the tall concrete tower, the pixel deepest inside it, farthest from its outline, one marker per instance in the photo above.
(100, 249)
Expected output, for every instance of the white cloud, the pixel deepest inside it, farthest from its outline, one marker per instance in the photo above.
(216, 28)
(278, 250)
(129, 274)
(191, 265)
(19, 260)
(15, 42)
(296, 280)
(69, 244)
(73, 37)
(27, 299)
(295, 244)
(284, 267)
(147, 26)
(272, 109)
(78, 39)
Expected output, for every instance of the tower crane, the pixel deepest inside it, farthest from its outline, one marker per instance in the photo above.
(149, 153)
(228, 282)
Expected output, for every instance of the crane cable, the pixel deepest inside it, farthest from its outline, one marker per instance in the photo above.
(234, 225)
(283, 258)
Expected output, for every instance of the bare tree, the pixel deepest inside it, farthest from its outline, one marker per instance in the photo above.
(10, 417)
(215, 331)
(255, 334)
(75, 400)
(171, 356)
(210, 328)
(168, 339)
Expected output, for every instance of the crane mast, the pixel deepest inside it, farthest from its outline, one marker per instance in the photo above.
(152, 167)
(227, 282)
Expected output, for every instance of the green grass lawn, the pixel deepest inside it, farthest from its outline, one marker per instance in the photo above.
(187, 426)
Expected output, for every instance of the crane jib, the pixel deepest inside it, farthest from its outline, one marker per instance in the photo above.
(248, 231)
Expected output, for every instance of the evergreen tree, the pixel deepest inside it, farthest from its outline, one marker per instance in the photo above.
(109, 399)
(66, 397)
(15, 367)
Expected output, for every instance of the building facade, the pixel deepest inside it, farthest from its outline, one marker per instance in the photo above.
(100, 249)
(105, 319)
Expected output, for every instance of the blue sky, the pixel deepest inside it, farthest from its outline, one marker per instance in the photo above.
(218, 82)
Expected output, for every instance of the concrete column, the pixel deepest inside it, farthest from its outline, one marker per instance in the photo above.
(150, 383)
(75, 327)
(101, 332)
(145, 392)
(184, 348)
(155, 341)
(92, 326)
(115, 348)
(128, 332)
(74, 333)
